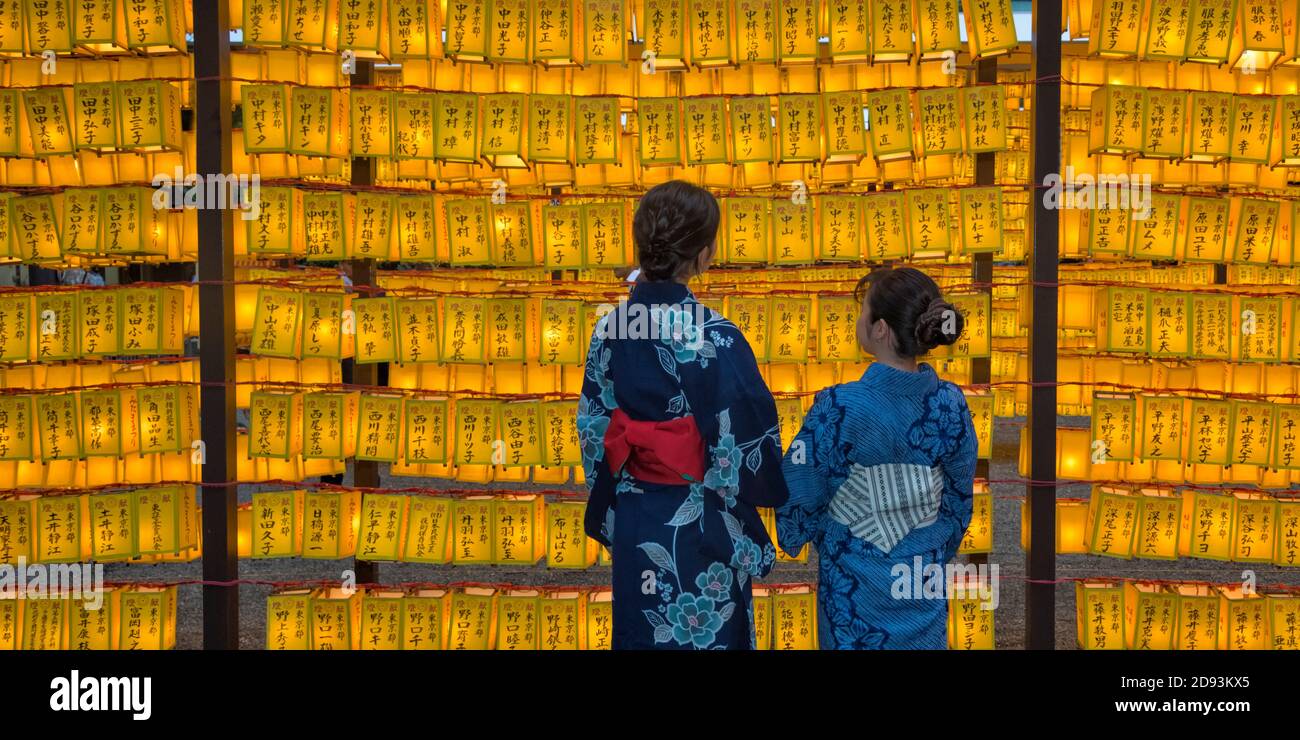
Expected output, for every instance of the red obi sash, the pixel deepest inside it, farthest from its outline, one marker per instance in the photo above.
(669, 452)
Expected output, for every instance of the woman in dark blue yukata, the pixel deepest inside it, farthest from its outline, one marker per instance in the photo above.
(881, 475)
(680, 443)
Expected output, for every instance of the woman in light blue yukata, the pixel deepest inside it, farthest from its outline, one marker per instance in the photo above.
(881, 475)
(680, 442)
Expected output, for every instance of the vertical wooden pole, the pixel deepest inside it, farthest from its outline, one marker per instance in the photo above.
(216, 329)
(1040, 565)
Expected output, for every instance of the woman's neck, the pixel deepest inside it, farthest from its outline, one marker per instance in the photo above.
(906, 364)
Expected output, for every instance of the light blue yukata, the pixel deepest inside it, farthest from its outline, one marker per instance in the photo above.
(881, 473)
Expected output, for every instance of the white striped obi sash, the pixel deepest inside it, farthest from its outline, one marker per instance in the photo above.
(883, 503)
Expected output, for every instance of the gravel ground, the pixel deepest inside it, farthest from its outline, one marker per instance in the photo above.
(1009, 621)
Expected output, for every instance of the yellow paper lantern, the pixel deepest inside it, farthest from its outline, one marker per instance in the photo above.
(334, 616)
(1198, 617)
(148, 113)
(425, 616)
(381, 526)
(288, 618)
(277, 524)
(1151, 616)
(970, 621)
(472, 621)
(1100, 608)
(990, 27)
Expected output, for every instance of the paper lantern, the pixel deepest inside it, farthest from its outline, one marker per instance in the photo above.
(265, 119)
(1113, 518)
(381, 619)
(1209, 139)
(981, 221)
(363, 30)
(517, 619)
(561, 332)
(985, 118)
(44, 624)
(148, 113)
(428, 534)
(472, 623)
(890, 124)
(1159, 525)
(1207, 525)
(567, 545)
(274, 425)
(794, 613)
(1198, 617)
(1264, 343)
(1244, 620)
(1210, 36)
(659, 129)
(425, 431)
(62, 525)
(263, 24)
(411, 29)
(1114, 29)
(1119, 115)
(288, 618)
(517, 528)
(334, 617)
(311, 25)
(1284, 621)
(1151, 617)
(1289, 131)
(277, 524)
(99, 27)
(113, 536)
(991, 30)
(49, 121)
(165, 520)
(425, 619)
(970, 622)
(792, 232)
(155, 26)
(979, 534)
(884, 215)
(372, 123)
(1165, 29)
(560, 425)
(1255, 532)
(381, 526)
(1100, 608)
(1113, 420)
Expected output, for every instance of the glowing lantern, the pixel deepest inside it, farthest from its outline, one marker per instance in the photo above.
(937, 33)
(1209, 139)
(1289, 131)
(165, 418)
(560, 425)
(567, 545)
(1151, 617)
(58, 427)
(312, 24)
(428, 537)
(335, 618)
(148, 113)
(792, 232)
(1198, 617)
(425, 619)
(1115, 29)
(244, 529)
(44, 623)
(1164, 135)
(890, 123)
(1251, 139)
(991, 29)
(1159, 525)
(659, 127)
(266, 116)
(981, 221)
(274, 424)
(1113, 419)
(1119, 114)
(263, 23)
(363, 30)
(287, 618)
(970, 619)
(1166, 30)
(1255, 529)
(884, 217)
(372, 123)
(113, 536)
(794, 612)
(56, 317)
(165, 520)
(318, 121)
(1284, 621)
(472, 622)
(62, 525)
(425, 431)
(381, 527)
(381, 619)
(1244, 620)
(155, 26)
(517, 529)
(277, 521)
(1112, 521)
(517, 620)
(472, 529)
(1207, 525)
(1100, 608)
(99, 26)
(48, 121)
(985, 120)
(411, 29)
(979, 535)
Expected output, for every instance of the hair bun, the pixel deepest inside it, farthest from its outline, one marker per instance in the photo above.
(932, 323)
